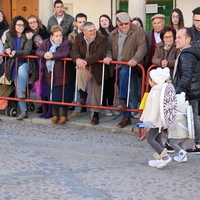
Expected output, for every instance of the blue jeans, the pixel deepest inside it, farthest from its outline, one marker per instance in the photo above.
(123, 75)
(20, 83)
(78, 109)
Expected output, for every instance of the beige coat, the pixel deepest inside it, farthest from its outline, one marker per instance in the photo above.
(151, 110)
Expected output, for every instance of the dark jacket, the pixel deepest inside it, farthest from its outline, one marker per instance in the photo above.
(195, 41)
(187, 75)
(150, 48)
(66, 24)
(26, 47)
(43, 33)
(62, 52)
(3, 28)
(97, 51)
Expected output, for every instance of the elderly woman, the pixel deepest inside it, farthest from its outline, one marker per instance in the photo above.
(51, 51)
(166, 52)
(19, 43)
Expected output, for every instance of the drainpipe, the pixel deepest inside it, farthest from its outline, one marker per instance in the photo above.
(174, 3)
(111, 5)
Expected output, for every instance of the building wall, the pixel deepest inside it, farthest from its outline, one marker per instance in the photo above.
(93, 9)
(45, 10)
(186, 7)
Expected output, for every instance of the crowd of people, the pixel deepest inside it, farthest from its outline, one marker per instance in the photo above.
(165, 46)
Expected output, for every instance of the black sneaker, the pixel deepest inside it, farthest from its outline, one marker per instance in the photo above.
(193, 150)
(169, 148)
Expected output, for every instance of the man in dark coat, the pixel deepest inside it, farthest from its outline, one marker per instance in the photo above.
(186, 77)
(89, 47)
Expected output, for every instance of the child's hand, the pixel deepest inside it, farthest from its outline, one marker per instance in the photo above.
(148, 125)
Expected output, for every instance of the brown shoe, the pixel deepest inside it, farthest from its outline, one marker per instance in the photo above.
(81, 102)
(75, 114)
(94, 121)
(124, 122)
(55, 119)
(122, 104)
(63, 120)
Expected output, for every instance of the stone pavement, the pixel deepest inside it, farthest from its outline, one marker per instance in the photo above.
(109, 123)
(78, 161)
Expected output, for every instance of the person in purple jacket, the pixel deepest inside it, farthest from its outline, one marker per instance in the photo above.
(51, 51)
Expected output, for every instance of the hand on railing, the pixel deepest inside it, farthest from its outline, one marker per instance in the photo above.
(132, 63)
(107, 60)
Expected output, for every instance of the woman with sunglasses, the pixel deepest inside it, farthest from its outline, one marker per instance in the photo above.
(19, 43)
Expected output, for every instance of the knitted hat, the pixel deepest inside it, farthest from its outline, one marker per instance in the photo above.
(123, 17)
(160, 75)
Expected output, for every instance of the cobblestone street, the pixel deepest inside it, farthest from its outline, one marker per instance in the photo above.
(47, 162)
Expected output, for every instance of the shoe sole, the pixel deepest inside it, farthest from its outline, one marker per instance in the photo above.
(120, 126)
(171, 151)
(197, 153)
(22, 118)
(164, 164)
(74, 116)
(120, 107)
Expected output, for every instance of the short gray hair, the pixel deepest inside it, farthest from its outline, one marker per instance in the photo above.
(87, 24)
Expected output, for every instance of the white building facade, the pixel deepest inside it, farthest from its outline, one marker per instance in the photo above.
(93, 9)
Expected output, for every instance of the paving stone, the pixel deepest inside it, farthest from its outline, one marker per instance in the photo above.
(46, 162)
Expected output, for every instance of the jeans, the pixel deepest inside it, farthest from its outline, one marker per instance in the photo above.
(78, 109)
(21, 82)
(194, 104)
(123, 75)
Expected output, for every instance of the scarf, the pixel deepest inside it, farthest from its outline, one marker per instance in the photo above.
(50, 63)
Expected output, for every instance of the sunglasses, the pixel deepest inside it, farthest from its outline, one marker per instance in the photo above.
(121, 24)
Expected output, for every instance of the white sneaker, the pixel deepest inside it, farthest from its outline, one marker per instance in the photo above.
(137, 116)
(116, 112)
(152, 163)
(107, 112)
(182, 156)
(163, 161)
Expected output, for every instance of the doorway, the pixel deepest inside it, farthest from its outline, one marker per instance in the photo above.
(12, 8)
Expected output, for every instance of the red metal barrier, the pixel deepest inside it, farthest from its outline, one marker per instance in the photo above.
(74, 104)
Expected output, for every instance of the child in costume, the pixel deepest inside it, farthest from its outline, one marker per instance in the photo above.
(179, 133)
(151, 117)
(39, 87)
